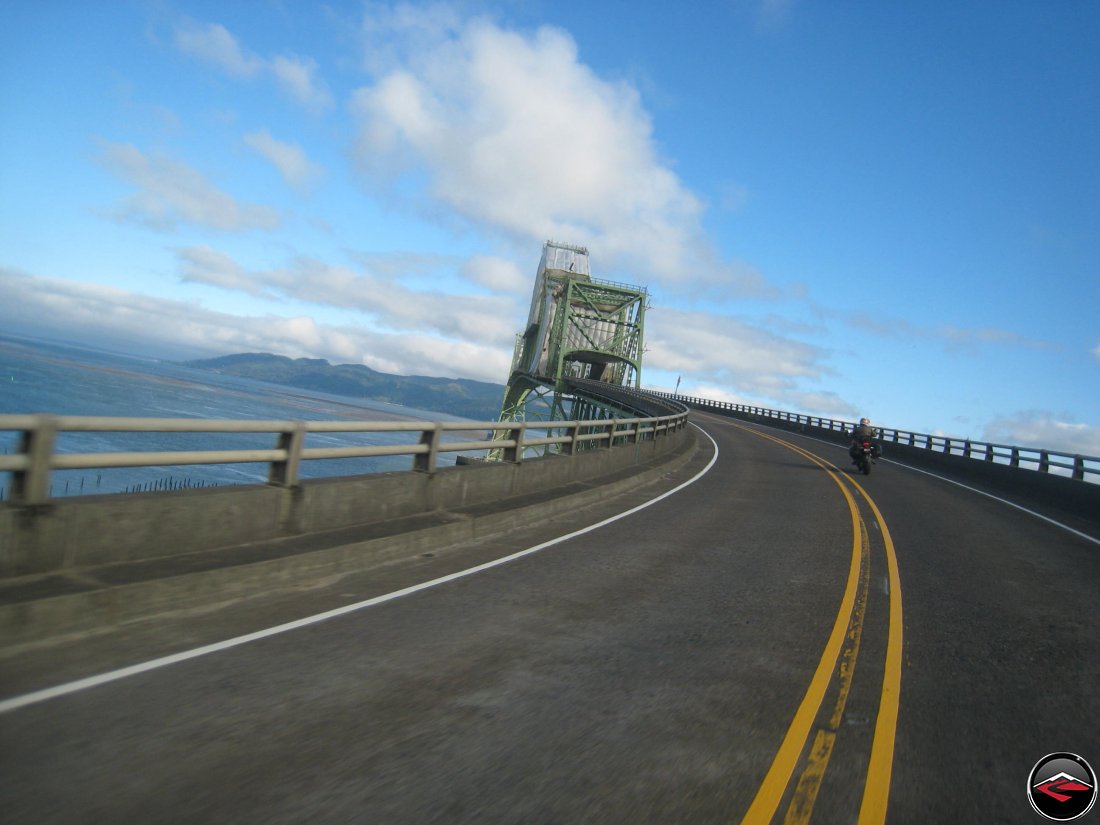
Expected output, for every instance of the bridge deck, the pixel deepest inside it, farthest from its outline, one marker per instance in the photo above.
(731, 648)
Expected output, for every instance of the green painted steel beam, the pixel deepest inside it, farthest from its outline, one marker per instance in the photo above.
(578, 328)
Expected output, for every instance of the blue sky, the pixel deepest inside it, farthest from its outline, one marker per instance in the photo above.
(844, 209)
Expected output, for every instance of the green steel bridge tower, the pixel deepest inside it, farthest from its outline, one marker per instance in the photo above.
(582, 345)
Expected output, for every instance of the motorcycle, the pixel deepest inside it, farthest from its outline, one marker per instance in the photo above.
(865, 456)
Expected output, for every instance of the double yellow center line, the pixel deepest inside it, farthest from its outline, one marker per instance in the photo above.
(805, 793)
(847, 626)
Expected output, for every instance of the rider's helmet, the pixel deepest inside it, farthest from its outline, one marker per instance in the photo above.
(865, 421)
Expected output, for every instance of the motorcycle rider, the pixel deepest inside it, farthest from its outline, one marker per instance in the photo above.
(860, 433)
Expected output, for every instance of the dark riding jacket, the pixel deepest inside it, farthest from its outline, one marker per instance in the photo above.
(863, 431)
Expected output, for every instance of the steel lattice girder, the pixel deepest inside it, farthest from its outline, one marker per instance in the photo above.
(578, 328)
(597, 323)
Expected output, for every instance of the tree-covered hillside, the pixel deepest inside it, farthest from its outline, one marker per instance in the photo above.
(477, 400)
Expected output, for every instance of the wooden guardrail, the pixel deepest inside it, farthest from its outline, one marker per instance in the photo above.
(37, 454)
(1079, 467)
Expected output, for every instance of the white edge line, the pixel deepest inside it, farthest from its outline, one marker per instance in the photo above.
(1047, 519)
(17, 702)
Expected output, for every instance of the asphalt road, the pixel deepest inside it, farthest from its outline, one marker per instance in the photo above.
(765, 643)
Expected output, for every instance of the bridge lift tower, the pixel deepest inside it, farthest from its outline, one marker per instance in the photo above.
(583, 336)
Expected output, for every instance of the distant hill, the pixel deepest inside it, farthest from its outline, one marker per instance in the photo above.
(477, 400)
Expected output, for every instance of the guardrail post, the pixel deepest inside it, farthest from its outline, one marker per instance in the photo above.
(285, 473)
(426, 462)
(515, 435)
(1014, 460)
(611, 425)
(570, 446)
(1044, 461)
(1079, 467)
(32, 486)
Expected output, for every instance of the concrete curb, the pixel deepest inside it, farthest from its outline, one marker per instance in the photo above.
(114, 605)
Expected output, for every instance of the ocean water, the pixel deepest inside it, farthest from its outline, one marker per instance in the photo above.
(62, 379)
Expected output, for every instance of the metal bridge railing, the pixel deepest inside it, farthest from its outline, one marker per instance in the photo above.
(37, 456)
(1079, 467)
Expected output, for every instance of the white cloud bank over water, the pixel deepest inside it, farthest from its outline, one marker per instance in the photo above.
(112, 318)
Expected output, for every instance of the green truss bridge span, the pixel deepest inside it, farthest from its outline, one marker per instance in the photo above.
(581, 349)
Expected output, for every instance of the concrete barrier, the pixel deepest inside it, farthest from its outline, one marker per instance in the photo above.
(327, 528)
(1061, 494)
(91, 531)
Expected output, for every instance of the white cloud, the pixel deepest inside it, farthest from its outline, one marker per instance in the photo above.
(482, 320)
(298, 77)
(1096, 352)
(734, 196)
(723, 351)
(425, 355)
(170, 193)
(115, 317)
(203, 265)
(213, 44)
(823, 404)
(517, 135)
(956, 339)
(402, 265)
(498, 275)
(1044, 430)
(713, 393)
(299, 172)
(952, 338)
